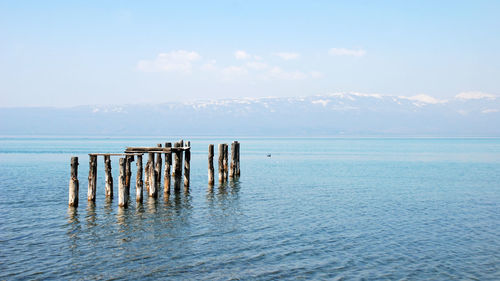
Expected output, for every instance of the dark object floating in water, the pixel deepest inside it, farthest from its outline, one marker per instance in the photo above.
(269, 155)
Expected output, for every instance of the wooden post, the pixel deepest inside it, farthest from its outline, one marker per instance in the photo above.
(153, 191)
(158, 170)
(122, 193)
(221, 162)
(237, 170)
(232, 168)
(146, 176)
(177, 168)
(128, 173)
(210, 164)
(225, 161)
(181, 144)
(152, 176)
(168, 164)
(92, 178)
(73, 183)
(187, 164)
(108, 176)
(138, 180)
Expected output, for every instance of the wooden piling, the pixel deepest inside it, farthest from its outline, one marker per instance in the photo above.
(225, 162)
(237, 170)
(177, 167)
(181, 156)
(146, 176)
(152, 192)
(138, 180)
(128, 173)
(187, 164)
(233, 160)
(168, 164)
(108, 176)
(91, 194)
(73, 183)
(122, 192)
(221, 162)
(158, 169)
(210, 164)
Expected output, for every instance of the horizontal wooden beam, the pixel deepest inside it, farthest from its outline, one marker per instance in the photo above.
(155, 149)
(114, 154)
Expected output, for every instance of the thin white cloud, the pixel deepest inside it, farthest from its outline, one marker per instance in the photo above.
(490, 110)
(346, 52)
(257, 65)
(209, 66)
(424, 99)
(288, 56)
(474, 96)
(241, 55)
(278, 73)
(234, 71)
(176, 61)
(316, 74)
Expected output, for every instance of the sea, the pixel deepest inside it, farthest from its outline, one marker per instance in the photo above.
(340, 208)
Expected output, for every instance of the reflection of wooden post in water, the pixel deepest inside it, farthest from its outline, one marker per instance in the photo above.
(138, 180)
(225, 162)
(221, 162)
(73, 183)
(210, 164)
(92, 178)
(168, 164)
(187, 163)
(108, 176)
(232, 168)
(122, 194)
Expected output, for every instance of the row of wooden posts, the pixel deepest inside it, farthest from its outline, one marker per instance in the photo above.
(152, 170)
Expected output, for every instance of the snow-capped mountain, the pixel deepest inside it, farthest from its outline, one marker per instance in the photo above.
(467, 114)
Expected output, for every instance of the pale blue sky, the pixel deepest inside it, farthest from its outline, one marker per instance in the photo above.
(64, 53)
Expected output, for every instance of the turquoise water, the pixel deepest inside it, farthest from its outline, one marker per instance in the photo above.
(319, 208)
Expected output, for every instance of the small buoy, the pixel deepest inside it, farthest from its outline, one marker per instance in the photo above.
(269, 155)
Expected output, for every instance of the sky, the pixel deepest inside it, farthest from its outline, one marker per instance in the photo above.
(69, 53)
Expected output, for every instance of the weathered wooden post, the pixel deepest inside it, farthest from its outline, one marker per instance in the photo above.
(152, 192)
(128, 172)
(181, 156)
(138, 179)
(73, 183)
(108, 176)
(187, 164)
(122, 192)
(237, 170)
(177, 166)
(225, 162)
(146, 176)
(210, 164)
(158, 169)
(92, 178)
(221, 162)
(168, 164)
(232, 168)
(153, 186)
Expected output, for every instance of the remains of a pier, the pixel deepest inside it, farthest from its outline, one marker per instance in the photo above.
(152, 171)
(232, 171)
(152, 174)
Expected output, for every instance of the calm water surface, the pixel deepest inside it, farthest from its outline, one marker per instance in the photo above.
(320, 208)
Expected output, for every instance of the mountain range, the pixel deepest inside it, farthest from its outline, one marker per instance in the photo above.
(337, 114)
